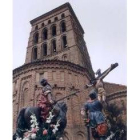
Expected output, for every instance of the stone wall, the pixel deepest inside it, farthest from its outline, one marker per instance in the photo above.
(65, 78)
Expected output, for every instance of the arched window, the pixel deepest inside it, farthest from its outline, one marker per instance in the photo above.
(42, 24)
(36, 37)
(44, 34)
(36, 27)
(63, 15)
(49, 21)
(25, 96)
(56, 18)
(63, 27)
(53, 46)
(34, 53)
(80, 136)
(44, 49)
(64, 41)
(64, 57)
(53, 30)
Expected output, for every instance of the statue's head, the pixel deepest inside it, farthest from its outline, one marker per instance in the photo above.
(43, 82)
(93, 94)
(46, 86)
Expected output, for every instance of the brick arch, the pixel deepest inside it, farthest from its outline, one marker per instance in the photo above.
(36, 27)
(25, 96)
(80, 135)
(64, 42)
(34, 53)
(44, 49)
(66, 136)
(49, 21)
(25, 85)
(56, 18)
(63, 15)
(42, 25)
(44, 33)
(53, 30)
(53, 46)
(63, 26)
(65, 57)
(35, 37)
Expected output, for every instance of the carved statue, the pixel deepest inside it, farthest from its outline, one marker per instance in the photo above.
(94, 118)
(47, 121)
(92, 111)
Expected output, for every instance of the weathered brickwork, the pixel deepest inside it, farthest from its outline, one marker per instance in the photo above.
(65, 63)
(64, 78)
(74, 50)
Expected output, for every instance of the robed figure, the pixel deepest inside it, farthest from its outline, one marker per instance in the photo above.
(92, 111)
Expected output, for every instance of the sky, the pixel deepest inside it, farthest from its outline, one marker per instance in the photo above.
(104, 23)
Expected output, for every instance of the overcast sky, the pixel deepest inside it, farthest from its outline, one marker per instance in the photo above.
(104, 23)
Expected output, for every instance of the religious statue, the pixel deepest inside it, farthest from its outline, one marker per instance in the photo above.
(45, 101)
(92, 112)
(46, 121)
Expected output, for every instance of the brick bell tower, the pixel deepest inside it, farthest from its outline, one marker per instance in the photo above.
(57, 51)
(58, 35)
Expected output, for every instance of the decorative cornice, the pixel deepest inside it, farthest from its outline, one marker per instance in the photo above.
(40, 64)
(55, 10)
(107, 83)
(29, 76)
(117, 94)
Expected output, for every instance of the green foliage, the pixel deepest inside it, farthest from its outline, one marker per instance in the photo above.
(115, 122)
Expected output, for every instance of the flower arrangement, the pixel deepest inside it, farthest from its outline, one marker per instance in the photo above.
(56, 127)
(45, 131)
(48, 120)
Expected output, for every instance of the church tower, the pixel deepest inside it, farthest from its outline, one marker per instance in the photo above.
(58, 35)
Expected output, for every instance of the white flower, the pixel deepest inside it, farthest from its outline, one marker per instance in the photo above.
(33, 136)
(111, 136)
(49, 118)
(33, 125)
(55, 130)
(37, 127)
(26, 138)
(56, 126)
(48, 121)
(36, 124)
(33, 117)
(33, 121)
(18, 138)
